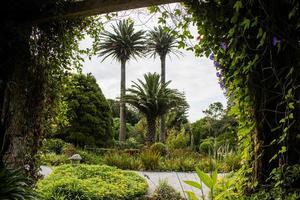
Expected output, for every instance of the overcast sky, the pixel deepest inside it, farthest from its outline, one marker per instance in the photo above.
(195, 76)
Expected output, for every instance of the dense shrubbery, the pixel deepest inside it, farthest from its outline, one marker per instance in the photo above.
(91, 182)
(159, 148)
(165, 192)
(14, 185)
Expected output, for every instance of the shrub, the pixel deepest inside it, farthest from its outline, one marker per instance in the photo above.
(90, 158)
(150, 159)
(179, 141)
(13, 185)
(207, 164)
(69, 150)
(53, 146)
(91, 182)
(231, 162)
(52, 159)
(207, 146)
(122, 161)
(159, 148)
(165, 192)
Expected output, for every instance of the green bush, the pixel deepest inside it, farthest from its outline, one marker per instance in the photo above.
(165, 192)
(52, 159)
(207, 164)
(159, 148)
(207, 146)
(150, 159)
(90, 158)
(13, 185)
(91, 182)
(53, 146)
(231, 162)
(122, 161)
(69, 149)
(178, 141)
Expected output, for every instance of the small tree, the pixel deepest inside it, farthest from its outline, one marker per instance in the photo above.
(153, 99)
(88, 113)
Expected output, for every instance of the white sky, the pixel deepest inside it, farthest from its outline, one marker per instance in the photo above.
(195, 76)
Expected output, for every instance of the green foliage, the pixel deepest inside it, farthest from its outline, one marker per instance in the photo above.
(165, 192)
(150, 159)
(161, 42)
(53, 145)
(159, 148)
(122, 161)
(207, 146)
(52, 159)
(153, 99)
(132, 116)
(179, 140)
(14, 185)
(208, 181)
(91, 182)
(90, 119)
(123, 43)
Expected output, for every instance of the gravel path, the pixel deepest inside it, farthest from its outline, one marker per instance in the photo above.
(174, 179)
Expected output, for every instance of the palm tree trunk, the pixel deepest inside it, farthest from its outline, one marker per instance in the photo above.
(151, 126)
(122, 134)
(162, 135)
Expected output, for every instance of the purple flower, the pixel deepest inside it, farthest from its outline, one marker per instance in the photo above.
(218, 74)
(224, 45)
(222, 85)
(275, 41)
(217, 64)
(211, 56)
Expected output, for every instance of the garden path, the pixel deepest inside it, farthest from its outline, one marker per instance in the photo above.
(174, 179)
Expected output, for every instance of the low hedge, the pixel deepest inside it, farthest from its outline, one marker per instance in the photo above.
(91, 182)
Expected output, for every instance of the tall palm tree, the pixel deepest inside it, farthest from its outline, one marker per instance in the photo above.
(161, 42)
(122, 44)
(153, 99)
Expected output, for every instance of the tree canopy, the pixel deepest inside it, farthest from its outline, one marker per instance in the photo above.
(88, 113)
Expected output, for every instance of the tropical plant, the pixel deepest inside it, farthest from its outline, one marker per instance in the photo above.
(162, 42)
(150, 159)
(209, 181)
(122, 44)
(153, 99)
(14, 185)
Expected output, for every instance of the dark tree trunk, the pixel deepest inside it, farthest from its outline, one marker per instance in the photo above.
(162, 135)
(269, 85)
(122, 134)
(22, 100)
(151, 130)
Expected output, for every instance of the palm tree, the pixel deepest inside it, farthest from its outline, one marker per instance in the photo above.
(122, 44)
(161, 42)
(153, 99)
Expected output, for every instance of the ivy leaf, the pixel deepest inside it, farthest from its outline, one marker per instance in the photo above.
(238, 5)
(246, 23)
